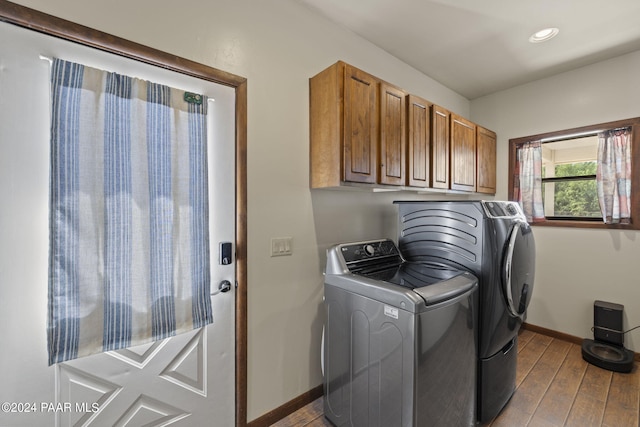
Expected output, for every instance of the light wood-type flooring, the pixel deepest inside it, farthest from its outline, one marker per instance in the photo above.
(555, 387)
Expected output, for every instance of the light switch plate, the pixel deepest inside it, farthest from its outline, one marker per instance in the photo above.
(281, 246)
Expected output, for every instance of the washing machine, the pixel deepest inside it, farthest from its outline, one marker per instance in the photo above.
(399, 340)
(492, 240)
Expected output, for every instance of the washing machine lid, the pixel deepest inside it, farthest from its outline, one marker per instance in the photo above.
(433, 282)
(376, 269)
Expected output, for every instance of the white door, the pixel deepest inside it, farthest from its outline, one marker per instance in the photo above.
(186, 380)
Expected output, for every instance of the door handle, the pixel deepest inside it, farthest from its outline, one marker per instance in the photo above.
(224, 286)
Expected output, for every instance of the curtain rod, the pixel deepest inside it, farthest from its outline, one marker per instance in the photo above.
(50, 60)
(580, 134)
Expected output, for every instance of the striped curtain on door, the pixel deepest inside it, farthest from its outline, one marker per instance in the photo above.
(129, 249)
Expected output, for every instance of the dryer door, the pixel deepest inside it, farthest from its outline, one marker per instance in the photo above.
(519, 268)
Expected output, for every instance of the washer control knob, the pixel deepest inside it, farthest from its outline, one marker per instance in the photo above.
(369, 250)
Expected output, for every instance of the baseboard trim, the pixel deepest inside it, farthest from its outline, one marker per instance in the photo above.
(561, 336)
(551, 333)
(287, 409)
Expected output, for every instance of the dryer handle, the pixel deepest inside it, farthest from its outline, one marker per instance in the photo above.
(524, 296)
(507, 266)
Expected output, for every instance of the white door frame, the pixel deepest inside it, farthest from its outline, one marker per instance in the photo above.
(50, 25)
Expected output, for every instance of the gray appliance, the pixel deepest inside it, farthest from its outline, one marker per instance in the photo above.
(399, 343)
(492, 240)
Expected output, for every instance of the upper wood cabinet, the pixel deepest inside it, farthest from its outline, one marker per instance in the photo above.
(486, 160)
(418, 142)
(441, 119)
(392, 135)
(360, 136)
(365, 130)
(463, 154)
(344, 126)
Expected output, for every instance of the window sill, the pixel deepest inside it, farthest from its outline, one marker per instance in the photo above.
(584, 224)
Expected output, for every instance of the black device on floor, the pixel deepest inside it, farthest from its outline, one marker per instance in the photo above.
(607, 349)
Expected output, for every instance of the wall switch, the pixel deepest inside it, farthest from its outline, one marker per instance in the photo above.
(281, 246)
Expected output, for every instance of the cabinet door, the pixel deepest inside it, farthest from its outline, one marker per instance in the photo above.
(360, 126)
(463, 154)
(440, 149)
(419, 142)
(486, 177)
(392, 135)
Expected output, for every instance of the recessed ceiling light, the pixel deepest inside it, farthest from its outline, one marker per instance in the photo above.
(544, 35)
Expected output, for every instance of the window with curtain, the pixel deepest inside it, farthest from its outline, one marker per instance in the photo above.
(527, 189)
(129, 249)
(580, 177)
(613, 176)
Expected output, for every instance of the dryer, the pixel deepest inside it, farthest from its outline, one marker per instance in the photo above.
(493, 241)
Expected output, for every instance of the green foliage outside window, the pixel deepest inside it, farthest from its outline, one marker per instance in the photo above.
(576, 198)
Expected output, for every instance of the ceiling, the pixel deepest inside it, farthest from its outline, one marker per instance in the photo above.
(480, 47)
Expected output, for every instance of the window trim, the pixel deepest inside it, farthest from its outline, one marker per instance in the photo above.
(634, 123)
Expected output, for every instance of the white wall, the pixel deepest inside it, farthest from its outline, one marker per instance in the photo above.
(277, 45)
(574, 267)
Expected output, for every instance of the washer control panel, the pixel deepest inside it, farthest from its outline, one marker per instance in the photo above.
(502, 209)
(354, 252)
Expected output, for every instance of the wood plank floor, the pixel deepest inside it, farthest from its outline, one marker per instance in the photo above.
(555, 387)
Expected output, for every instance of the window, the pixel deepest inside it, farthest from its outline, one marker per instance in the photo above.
(569, 179)
(568, 176)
